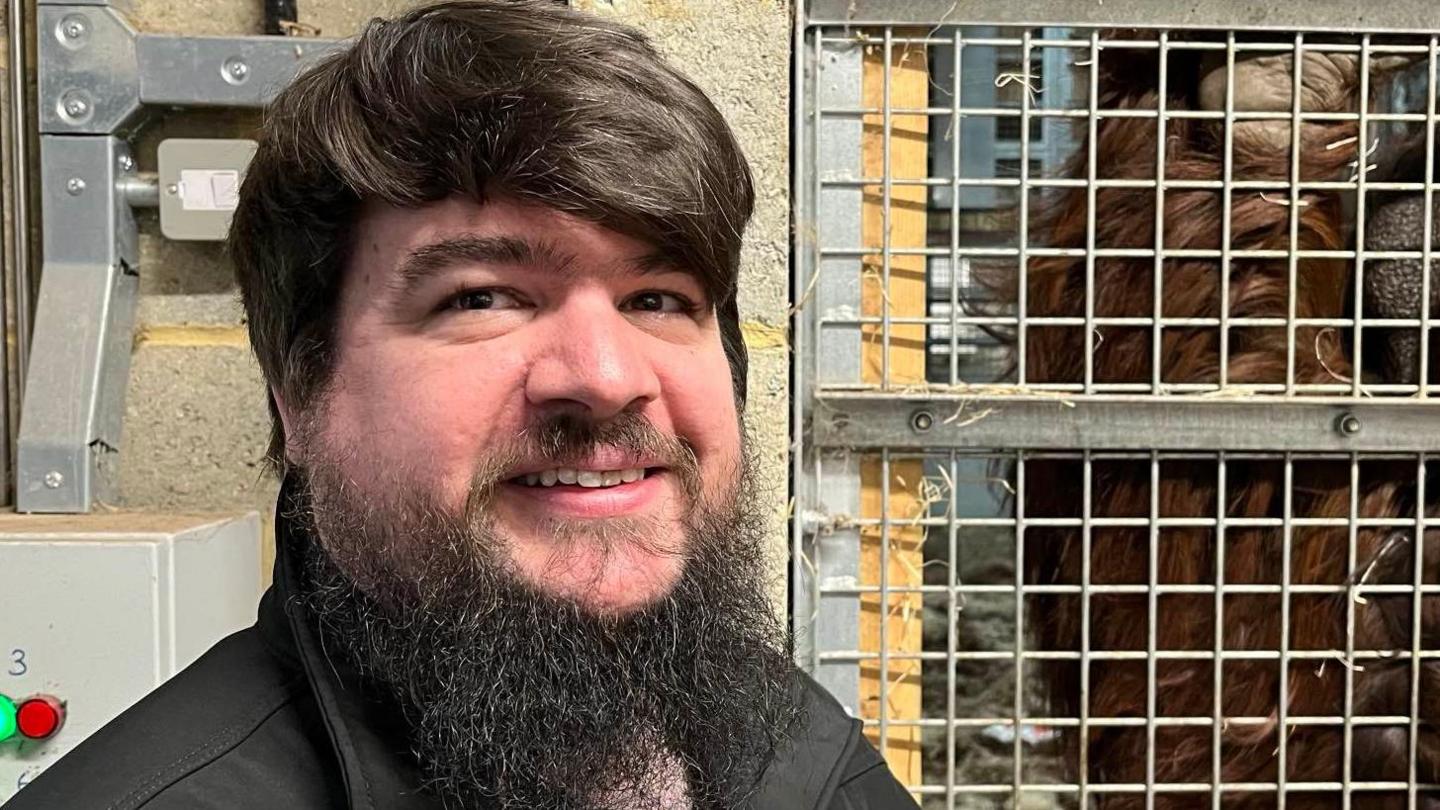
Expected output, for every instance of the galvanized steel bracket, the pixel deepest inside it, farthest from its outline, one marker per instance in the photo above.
(97, 77)
(80, 351)
(89, 80)
(942, 422)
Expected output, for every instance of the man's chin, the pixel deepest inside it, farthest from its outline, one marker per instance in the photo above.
(618, 577)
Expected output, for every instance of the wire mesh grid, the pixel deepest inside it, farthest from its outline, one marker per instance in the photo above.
(1282, 208)
(1067, 648)
(1177, 221)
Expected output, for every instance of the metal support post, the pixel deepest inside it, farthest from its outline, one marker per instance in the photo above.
(74, 396)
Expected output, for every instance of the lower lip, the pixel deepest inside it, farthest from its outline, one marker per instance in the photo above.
(572, 500)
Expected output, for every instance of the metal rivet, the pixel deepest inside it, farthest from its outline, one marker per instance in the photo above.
(172, 189)
(922, 421)
(74, 185)
(54, 479)
(73, 28)
(127, 163)
(235, 70)
(1348, 424)
(75, 105)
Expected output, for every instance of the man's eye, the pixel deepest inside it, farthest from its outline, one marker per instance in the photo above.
(482, 299)
(660, 302)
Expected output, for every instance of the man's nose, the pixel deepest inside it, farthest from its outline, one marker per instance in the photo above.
(591, 359)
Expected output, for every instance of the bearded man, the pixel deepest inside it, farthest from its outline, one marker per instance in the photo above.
(489, 258)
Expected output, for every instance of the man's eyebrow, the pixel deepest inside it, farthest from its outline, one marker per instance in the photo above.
(659, 262)
(654, 262)
(434, 258)
(427, 261)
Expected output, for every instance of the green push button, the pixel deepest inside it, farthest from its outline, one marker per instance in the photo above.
(8, 723)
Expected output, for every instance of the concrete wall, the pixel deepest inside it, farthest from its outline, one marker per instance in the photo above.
(196, 426)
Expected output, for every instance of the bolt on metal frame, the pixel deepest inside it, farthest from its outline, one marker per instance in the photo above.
(98, 77)
(839, 418)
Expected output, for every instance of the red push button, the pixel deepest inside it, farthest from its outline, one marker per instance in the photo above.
(40, 717)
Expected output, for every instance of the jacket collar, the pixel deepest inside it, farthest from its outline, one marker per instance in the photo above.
(363, 730)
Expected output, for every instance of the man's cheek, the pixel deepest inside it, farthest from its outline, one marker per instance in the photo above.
(435, 427)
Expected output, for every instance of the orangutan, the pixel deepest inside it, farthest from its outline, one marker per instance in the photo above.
(1255, 486)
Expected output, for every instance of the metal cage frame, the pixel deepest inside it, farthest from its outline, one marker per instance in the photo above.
(839, 420)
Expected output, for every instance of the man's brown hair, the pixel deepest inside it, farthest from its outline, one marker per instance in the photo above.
(525, 98)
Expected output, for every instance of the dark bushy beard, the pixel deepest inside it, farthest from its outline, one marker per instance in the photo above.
(519, 699)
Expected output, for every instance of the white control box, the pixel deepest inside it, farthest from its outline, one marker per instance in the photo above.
(98, 610)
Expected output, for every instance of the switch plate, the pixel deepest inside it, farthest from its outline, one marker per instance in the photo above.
(200, 184)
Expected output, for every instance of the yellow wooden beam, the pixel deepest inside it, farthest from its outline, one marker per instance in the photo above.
(191, 336)
(901, 291)
(759, 336)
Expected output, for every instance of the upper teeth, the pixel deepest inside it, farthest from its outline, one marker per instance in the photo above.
(584, 478)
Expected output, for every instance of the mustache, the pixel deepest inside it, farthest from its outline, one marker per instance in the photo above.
(563, 439)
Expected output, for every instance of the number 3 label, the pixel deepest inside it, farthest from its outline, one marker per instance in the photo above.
(18, 666)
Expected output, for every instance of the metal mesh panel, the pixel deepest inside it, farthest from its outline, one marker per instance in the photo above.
(1113, 357)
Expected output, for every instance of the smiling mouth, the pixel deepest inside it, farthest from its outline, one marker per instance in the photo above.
(588, 479)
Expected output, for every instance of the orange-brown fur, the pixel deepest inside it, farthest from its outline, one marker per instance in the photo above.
(1126, 148)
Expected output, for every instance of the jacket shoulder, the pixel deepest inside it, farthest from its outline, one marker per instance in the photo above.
(233, 730)
(829, 765)
(863, 780)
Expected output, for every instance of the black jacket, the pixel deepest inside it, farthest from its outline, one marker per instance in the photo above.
(265, 720)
